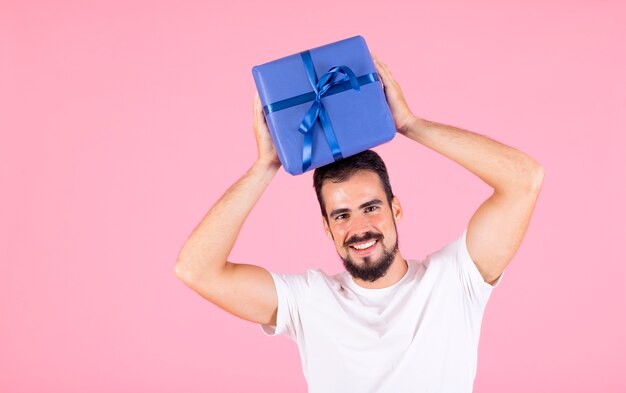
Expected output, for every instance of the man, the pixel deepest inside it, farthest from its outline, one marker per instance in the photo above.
(386, 324)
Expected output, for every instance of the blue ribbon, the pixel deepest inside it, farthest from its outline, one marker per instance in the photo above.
(328, 84)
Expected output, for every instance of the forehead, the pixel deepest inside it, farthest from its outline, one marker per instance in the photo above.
(361, 187)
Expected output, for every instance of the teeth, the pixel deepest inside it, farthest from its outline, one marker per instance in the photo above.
(364, 245)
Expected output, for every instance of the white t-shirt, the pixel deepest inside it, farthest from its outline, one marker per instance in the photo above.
(418, 335)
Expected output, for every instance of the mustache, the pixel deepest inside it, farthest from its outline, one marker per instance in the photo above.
(362, 238)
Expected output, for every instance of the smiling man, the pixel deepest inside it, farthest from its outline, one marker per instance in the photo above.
(386, 324)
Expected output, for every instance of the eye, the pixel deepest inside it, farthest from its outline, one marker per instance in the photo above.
(371, 208)
(341, 216)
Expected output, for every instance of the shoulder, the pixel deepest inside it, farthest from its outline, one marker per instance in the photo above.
(450, 258)
(455, 250)
(447, 253)
(455, 257)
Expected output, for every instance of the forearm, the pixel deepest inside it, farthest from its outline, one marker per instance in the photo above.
(208, 247)
(504, 168)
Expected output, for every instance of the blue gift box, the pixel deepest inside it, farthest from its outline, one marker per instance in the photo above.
(324, 104)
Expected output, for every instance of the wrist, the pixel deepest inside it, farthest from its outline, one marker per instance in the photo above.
(269, 165)
(412, 125)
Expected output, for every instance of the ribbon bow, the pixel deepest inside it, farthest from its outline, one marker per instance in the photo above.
(318, 111)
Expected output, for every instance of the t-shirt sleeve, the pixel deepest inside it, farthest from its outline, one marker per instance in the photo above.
(473, 282)
(475, 288)
(289, 287)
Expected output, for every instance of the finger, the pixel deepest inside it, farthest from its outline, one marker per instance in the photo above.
(379, 69)
(382, 66)
(258, 111)
(257, 101)
(377, 62)
(382, 72)
(385, 74)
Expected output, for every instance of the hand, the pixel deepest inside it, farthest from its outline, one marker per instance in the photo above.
(400, 111)
(264, 143)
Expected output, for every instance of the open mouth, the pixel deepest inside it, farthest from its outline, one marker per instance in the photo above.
(365, 248)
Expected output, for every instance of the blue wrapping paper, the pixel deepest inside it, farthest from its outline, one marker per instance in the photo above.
(351, 113)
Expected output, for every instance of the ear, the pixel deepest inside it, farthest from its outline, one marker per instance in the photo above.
(329, 234)
(396, 209)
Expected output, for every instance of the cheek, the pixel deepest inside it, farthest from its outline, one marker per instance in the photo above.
(381, 223)
(338, 234)
(386, 226)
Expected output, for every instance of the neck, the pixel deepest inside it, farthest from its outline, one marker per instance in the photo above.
(396, 271)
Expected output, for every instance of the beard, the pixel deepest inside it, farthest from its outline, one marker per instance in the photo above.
(370, 270)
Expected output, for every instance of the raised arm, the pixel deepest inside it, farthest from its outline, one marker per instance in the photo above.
(246, 291)
(497, 228)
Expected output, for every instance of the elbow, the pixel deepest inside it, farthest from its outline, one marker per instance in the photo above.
(183, 269)
(179, 270)
(193, 274)
(527, 182)
(536, 179)
(182, 272)
(529, 176)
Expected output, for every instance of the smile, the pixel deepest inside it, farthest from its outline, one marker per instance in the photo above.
(364, 246)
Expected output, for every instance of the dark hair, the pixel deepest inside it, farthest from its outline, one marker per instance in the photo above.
(343, 169)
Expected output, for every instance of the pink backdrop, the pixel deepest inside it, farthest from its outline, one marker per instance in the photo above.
(122, 123)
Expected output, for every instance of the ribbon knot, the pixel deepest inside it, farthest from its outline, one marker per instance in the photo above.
(317, 111)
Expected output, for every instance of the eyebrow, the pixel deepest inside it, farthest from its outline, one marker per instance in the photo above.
(373, 202)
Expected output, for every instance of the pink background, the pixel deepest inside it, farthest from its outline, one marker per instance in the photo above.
(123, 123)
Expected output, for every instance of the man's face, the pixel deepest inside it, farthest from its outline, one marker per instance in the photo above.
(362, 224)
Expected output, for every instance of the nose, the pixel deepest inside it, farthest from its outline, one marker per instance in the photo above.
(360, 224)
